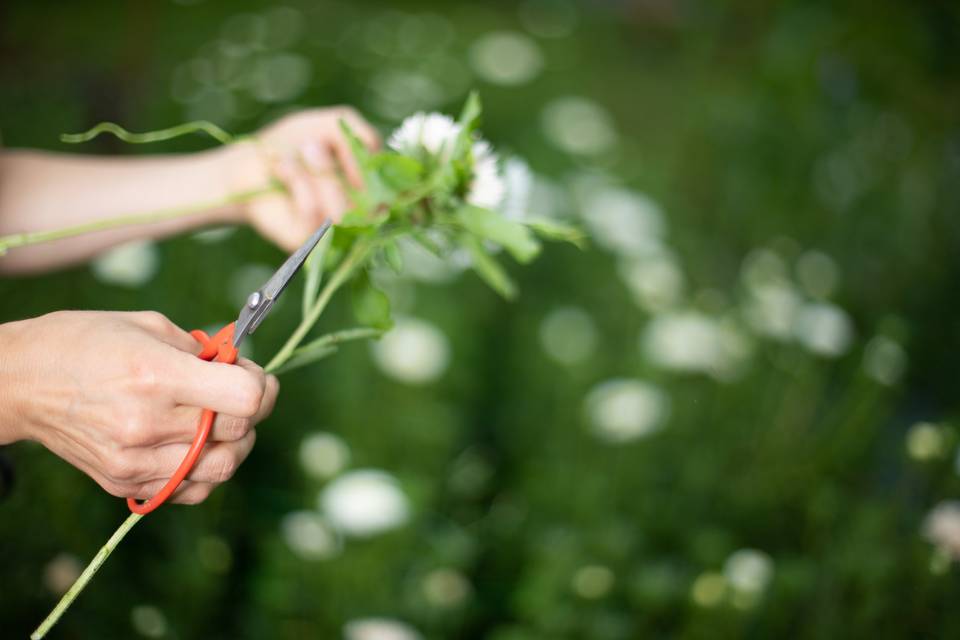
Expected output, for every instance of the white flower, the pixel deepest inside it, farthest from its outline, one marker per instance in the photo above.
(436, 134)
(926, 441)
(446, 587)
(568, 335)
(61, 572)
(309, 535)
(364, 503)
(129, 265)
(884, 360)
(694, 342)
(379, 629)
(506, 58)
(323, 455)
(414, 351)
(487, 187)
(149, 621)
(748, 570)
(593, 581)
(519, 184)
(824, 329)
(942, 527)
(621, 410)
(625, 222)
(430, 132)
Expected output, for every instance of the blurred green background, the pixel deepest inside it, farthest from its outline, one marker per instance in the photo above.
(734, 416)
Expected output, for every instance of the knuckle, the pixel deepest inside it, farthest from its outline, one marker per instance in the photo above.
(133, 431)
(251, 395)
(122, 467)
(155, 320)
(144, 376)
(223, 467)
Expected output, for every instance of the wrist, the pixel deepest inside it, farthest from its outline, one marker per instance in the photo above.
(13, 418)
(244, 169)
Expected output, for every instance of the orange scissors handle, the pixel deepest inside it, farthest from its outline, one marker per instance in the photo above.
(219, 348)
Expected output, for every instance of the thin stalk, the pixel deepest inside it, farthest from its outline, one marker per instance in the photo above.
(343, 272)
(85, 577)
(36, 237)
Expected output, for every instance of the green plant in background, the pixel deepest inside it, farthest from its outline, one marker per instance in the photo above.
(438, 185)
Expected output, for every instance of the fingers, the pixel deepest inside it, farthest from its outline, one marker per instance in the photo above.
(236, 390)
(187, 493)
(326, 182)
(226, 428)
(162, 328)
(218, 461)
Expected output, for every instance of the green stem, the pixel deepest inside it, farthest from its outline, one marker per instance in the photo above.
(85, 577)
(209, 128)
(37, 237)
(343, 272)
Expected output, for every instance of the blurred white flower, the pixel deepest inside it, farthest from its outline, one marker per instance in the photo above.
(579, 126)
(884, 360)
(518, 186)
(309, 535)
(771, 310)
(323, 455)
(279, 77)
(364, 503)
(436, 134)
(129, 265)
(926, 441)
(414, 351)
(621, 410)
(748, 571)
(446, 587)
(61, 572)
(694, 342)
(379, 629)
(817, 274)
(625, 222)
(593, 582)
(568, 335)
(149, 621)
(942, 527)
(506, 58)
(487, 186)
(655, 281)
(824, 329)
(709, 589)
(431, 132)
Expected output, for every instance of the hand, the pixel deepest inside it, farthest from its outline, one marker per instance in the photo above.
(308, 152)
(118, 396)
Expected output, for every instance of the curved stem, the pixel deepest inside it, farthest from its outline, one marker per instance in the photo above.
(343, 272)
(85, 577)
(36, 237)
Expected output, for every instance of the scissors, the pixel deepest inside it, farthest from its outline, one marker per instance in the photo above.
(223, 347)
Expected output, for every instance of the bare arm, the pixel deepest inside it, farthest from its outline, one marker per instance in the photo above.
(44, 191)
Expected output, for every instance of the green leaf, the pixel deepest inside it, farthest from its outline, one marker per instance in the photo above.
(370, 305)
(488, 268)
(401, 173)
(554, 230)
(470, 114)
(391, 253)
(512, 236)
(326, 345)
(313, 269)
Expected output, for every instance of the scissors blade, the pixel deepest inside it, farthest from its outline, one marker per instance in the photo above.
(261, 301)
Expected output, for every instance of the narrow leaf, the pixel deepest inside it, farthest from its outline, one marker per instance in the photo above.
(370, 305)
(391, 254)
(314, 271)
(554, 230)
(488, 268)
(326, 345)
(512, 236)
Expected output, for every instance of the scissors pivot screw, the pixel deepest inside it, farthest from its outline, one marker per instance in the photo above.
(254, 300)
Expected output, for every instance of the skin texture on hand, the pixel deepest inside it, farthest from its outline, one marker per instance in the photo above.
(118, 396)
(309, 153)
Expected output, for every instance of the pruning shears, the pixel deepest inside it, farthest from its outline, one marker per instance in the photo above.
(223, 347)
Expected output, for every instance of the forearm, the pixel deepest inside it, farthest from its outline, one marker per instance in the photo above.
(11, 383)
(45, 191)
